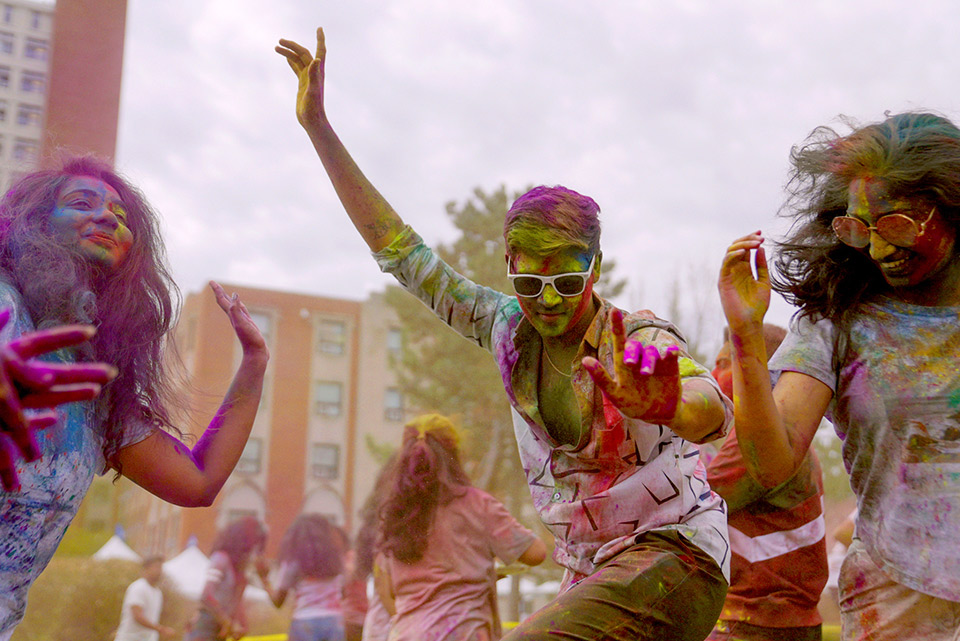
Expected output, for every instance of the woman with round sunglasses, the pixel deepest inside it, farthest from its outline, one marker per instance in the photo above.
(872, 264)
(607, 406)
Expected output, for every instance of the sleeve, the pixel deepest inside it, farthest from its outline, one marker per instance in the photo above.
(808, 349)
(727, 475)
(287, 576)
(654, 331)
(508, 539)
(217, 570)
(137, 594)
(465, 306)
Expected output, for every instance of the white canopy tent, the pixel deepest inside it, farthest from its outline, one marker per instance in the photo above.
(115, 548)
(188, 573)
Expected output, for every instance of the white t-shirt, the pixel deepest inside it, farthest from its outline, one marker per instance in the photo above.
(150, 600)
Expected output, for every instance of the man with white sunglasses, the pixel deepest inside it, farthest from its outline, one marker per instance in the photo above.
(607, 407)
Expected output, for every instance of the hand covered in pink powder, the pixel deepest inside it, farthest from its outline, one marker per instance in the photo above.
(30, 384)
(644, 384)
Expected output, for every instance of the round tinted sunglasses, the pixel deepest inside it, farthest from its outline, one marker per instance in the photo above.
(896, 229)
(569, 284)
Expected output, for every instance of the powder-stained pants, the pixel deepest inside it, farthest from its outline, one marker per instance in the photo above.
(874, 608)
(663, 587)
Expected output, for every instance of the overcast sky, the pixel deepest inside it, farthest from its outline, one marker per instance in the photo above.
(677, 117)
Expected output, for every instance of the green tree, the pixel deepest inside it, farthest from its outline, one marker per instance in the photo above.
(440, 371)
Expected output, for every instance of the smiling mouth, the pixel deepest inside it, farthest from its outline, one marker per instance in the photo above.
(101, 238)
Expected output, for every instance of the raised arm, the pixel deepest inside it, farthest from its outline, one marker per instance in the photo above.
(371, 214)
(189, 477)
(774, 427)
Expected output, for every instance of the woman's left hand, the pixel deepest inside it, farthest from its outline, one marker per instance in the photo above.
(644, 384)
(251, 340)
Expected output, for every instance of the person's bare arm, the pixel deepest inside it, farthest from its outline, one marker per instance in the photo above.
(370, 213)
(192, 477)
(535, 553)
(774, 426)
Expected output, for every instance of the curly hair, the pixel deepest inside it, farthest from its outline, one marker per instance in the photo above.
(427, 475)
(132, 305)
(546, 220)
(239, 539)
(315, 545)
(915, 154)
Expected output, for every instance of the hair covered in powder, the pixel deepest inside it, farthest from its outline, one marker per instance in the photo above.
(548, 220)
(427, 474)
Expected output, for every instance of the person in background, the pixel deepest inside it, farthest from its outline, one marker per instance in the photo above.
(779, 563)
(142, 604)
(607, 406)
(311, 565)
(79, 245)
(439, 538)
(376, 622)
(222, 614)
(873, 264)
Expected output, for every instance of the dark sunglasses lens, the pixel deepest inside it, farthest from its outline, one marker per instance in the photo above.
(851, 231)
(527, 285)
(898, 229)
(569, 285)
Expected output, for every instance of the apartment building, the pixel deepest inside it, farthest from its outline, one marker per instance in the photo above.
(329, 394)
(25, 47)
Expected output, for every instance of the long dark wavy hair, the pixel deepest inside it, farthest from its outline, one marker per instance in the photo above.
(426, 476)
(915, 154)
(239, 539)
(315, 545)
(132, 305)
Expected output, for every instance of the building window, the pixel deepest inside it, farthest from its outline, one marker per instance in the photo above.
(3, 110)
(29, 115)
(33, 82)
(333, 337)
(393, 405)
(4, 76)
(36, 19)
(7, 14)
(250, 459)
(325, 461)
(328, 398)
(25, 150)
(6, 42)
(395, 341)
(36, 49)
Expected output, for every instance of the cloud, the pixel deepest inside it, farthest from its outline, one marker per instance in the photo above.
(677, 117)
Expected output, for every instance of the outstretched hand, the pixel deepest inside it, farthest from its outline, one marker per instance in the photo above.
(745, 298)
(309, 70)
(644, 384)
(30, 384)
(251, 340)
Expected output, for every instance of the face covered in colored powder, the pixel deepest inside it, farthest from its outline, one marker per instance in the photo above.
(90, 215)
(902, 266)
(723, 370)
(551, 314)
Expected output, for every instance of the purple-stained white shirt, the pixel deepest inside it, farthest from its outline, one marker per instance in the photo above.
(625, 476)
(896, 407)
